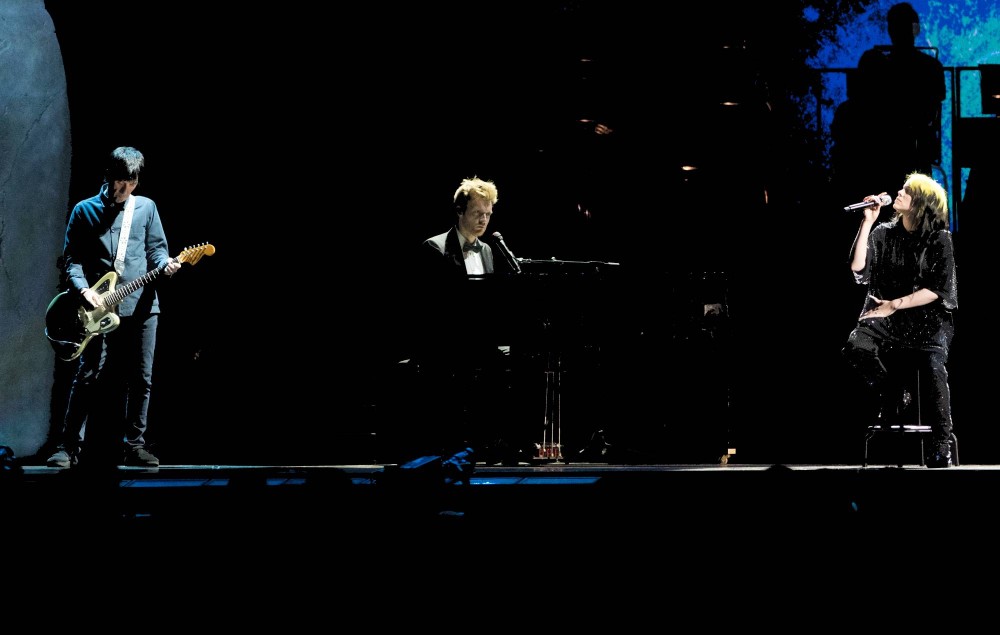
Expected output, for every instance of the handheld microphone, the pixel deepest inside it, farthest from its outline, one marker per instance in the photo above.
(885, 199)
(507, 253)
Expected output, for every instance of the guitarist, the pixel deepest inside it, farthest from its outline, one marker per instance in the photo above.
(112, 384)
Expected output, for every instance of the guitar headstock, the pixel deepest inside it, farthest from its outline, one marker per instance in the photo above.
(193, 254)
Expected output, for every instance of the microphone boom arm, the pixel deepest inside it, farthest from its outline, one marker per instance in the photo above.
(507, 253)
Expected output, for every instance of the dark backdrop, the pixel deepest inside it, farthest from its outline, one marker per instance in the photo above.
(316, 148)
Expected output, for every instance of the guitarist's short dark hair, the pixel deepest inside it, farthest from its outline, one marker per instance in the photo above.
(124, 164)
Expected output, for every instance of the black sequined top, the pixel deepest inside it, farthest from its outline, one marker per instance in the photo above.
(899, 263)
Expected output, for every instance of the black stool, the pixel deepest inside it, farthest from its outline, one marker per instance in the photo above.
(899, 431)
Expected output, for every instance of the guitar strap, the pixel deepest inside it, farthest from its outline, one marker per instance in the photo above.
(123, 238)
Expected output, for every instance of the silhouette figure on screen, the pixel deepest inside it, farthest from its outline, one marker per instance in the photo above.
(890, 124)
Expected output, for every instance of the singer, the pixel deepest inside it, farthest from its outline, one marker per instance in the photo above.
(464, 371)
(900, 345)
(460, 249)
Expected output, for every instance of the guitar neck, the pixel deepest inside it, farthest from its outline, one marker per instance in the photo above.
(112, 299)
(191, 256)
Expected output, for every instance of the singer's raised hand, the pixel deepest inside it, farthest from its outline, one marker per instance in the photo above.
(872, 211)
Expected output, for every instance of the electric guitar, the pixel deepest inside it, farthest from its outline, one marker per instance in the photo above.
(70, 321)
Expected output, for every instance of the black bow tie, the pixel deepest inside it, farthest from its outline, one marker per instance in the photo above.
(476, 247)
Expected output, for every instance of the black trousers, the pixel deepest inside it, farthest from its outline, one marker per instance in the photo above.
(889, 368)
(109, 398)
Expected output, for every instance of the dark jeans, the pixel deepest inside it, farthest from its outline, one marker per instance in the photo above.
(110, 393)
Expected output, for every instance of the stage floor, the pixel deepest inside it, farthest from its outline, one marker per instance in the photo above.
(395, 529)
(423, 493)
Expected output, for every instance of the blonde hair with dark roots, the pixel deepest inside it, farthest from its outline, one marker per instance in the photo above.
(929, 201)
(475, 186)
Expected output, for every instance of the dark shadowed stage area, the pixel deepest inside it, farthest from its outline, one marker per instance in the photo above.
(373, 521)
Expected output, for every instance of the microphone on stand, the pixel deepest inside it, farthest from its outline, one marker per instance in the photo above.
(885, 199)
(507, 253)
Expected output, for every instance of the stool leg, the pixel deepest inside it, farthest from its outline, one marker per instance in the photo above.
(901, 446)
(868, 437)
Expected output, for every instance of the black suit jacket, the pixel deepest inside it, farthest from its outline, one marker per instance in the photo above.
(444, 253)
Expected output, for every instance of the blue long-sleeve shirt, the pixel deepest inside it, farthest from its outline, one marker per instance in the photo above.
(92, 241)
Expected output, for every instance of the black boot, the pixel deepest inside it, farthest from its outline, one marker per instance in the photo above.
(940, 458)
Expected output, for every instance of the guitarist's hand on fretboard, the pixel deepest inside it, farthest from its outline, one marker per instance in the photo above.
(172, 266)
